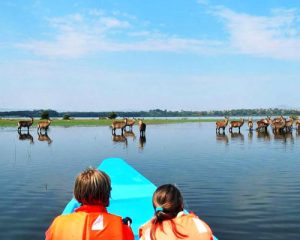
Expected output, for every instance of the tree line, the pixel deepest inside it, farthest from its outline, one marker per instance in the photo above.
(153, 113)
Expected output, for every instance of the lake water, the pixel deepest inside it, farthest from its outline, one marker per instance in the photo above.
(245, 186)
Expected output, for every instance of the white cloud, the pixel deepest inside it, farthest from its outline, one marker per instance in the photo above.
(77, 35)
(275, 36)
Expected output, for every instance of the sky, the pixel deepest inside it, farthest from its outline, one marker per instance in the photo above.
(106, 55)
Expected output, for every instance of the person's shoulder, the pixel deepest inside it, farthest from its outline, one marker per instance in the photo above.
(114, 216)
(193, 219)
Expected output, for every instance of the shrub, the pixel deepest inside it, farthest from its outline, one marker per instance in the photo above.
(45, 115)
(66, 117)
(112, 115)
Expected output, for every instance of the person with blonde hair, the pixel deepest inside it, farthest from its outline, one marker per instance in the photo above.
(170, 222)
(90, 221)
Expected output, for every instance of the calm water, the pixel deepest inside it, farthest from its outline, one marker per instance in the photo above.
(246, 186)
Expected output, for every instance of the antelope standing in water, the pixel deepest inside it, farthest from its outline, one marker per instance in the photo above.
(43, 125)
(130, 123)
(263, 124)
(25, 123)
(297, 124)
(236, 124)
(117, 124)
(221, 124)
(142, 127)
(250, 124)
(277, 126)
(289, 125)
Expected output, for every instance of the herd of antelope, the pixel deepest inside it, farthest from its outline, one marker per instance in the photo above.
(122, 124)
(42, 125)
(278, 124)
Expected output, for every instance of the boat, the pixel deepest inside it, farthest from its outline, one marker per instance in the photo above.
(131, 194)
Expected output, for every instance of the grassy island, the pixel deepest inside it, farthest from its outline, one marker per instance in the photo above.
(102, 122)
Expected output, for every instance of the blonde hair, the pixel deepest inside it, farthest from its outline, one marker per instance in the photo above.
(92, 186)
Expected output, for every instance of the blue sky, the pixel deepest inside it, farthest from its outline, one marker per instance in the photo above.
(93, 55)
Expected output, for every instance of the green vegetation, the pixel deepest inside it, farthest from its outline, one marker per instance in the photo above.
(45, 115)
(66, 117)
(112, 115)
(100, 122)
(158, 113)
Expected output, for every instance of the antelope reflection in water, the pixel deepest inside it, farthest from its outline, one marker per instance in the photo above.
(297, 133)
(222, 137)
(263, 135)
(44, 137)
(129, 134)
(119, 139)
(26, 136)
(250, 135)
(142, 142)
(237, 136)
(284, 137)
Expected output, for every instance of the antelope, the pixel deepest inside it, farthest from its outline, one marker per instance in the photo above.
(142, 127)
(263, 123)
(277, 126)
(297, 124)
(44, 137)
(130, 123)
(221, 124)
(43, 125)
(236, 124)
(118, 125)
(25, 123)
(289, 124)
(250, 124)
(279, 119)
(25, 136)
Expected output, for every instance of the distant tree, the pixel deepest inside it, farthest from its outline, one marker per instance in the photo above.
(45, 115)
(112, 115)
(294, 117)
(66, 117)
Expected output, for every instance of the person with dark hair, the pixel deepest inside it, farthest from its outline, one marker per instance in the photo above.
(170, 222)
(91, 221)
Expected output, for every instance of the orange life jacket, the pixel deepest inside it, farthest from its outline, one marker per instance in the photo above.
(187, 224)
(89, 223)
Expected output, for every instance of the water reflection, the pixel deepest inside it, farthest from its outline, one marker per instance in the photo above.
(297, 133)
(237, 136)
(249, 184)
(142, 142)
(44, 137)
(222, 137)
(250, 135)
(129, 134)
(284, 137)
(264, 135)
(25, 136)
(119, 139)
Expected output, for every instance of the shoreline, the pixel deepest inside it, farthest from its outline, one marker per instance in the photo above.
(8, 122)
